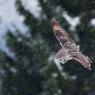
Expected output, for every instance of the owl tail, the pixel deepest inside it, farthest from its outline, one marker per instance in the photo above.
(83, 60)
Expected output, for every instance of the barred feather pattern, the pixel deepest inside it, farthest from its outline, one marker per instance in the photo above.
(69, 48)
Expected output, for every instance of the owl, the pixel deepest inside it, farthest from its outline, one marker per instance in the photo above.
(70, 50)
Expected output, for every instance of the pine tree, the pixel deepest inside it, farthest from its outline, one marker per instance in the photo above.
(32, 71)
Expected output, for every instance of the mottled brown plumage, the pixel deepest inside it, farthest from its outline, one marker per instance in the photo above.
(69, 48)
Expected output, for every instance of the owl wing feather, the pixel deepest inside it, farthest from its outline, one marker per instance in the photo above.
(63, 56)
(82, 59)
(70, 50)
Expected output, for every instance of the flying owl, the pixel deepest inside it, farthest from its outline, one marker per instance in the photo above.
(70, 50)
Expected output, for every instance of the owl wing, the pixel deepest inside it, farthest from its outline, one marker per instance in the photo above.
(60, 33)
(62, 56)
(56, 26)
(82, 59)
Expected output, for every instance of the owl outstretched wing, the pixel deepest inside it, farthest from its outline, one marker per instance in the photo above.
(82, 59)
(60, 33)
(62, 56)
(69, 48)
(63, 37)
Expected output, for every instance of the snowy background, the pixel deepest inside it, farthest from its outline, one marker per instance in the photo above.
(11, 20)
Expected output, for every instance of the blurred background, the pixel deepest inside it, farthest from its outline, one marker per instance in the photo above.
(28, 45)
